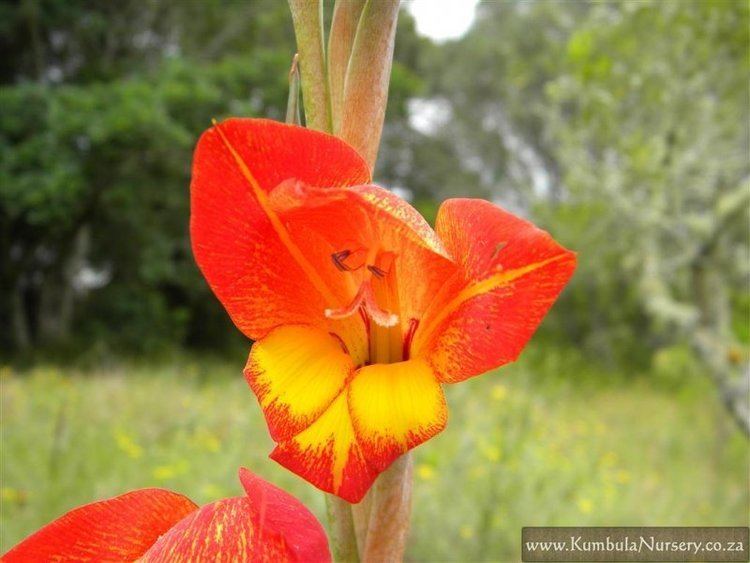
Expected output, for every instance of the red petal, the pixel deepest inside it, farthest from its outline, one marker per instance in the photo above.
(118, 529)
(512, 273)
(288, 517)
(266, 525)
(393, 207)
(256, 268)
(224, 530)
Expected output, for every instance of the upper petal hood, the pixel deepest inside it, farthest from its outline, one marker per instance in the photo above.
(243, 248)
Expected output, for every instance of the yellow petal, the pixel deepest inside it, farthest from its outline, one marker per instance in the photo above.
(395, 407)
(296, 372)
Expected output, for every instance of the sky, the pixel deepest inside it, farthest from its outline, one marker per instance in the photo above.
(442, 19)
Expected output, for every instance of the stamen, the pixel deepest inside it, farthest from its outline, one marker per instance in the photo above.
(349, 260)
(365, 298)
(338, 259)
(349, 310)
(384, 262)
(377, 271)
(409, 336)
(375, 312)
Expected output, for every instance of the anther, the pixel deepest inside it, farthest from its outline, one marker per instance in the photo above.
(338, 259)
(349, 260)
(376, 271)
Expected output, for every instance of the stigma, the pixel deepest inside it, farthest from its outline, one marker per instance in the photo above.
(365, 299)
(378, 267)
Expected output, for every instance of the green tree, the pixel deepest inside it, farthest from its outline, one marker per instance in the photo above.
(624, 127)
(102, 104)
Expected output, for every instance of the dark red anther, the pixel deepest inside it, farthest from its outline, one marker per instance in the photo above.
(376, 271)
(349, 260)
(338, 260)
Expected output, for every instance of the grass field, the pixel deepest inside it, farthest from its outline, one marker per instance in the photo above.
(526, 447)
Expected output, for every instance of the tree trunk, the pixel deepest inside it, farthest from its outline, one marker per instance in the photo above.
(712, 337)
(57, 297)
(21, 334)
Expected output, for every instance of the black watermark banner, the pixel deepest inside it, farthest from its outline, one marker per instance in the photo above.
(635, 544)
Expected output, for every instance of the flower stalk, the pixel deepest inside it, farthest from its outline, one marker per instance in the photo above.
(389, 503)
(368, 75)
(345, 92)
(345, 89)
(307, 16)
(293, 115)
(346, 16)
(342, 531)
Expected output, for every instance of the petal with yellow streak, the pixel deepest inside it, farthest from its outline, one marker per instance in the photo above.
(296, 372)
(328, 455)
(262, 273)
(511, 274)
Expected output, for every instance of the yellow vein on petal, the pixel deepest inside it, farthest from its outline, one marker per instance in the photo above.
(486, 285)
(278, 226)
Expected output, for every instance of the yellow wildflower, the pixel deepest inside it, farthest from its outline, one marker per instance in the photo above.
(622, 477)
(585, 505)
(127, 444)
(166, 472)
(466, 532)
(499, 392)
(207, 440)
(608, 459)
(425, 472)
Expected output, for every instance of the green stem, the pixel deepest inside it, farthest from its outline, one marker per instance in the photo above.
(307, 16)
(342, 535)
(346, 14)
(292, 104)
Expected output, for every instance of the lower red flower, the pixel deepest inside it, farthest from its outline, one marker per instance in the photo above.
(150, 525)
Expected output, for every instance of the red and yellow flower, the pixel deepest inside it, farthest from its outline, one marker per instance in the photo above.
(359, 310)
(157, 525)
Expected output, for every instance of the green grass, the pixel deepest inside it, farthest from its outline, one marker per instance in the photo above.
(549, 441)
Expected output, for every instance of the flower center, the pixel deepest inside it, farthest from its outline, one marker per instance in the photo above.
(378, 267)
(376, 300)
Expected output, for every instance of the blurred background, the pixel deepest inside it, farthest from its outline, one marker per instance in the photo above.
(621, 127)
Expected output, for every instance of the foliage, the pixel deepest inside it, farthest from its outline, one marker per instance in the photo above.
(552, 440)
(102, 105)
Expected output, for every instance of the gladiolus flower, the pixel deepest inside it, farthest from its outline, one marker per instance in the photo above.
(154, 525)
(359, 310)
